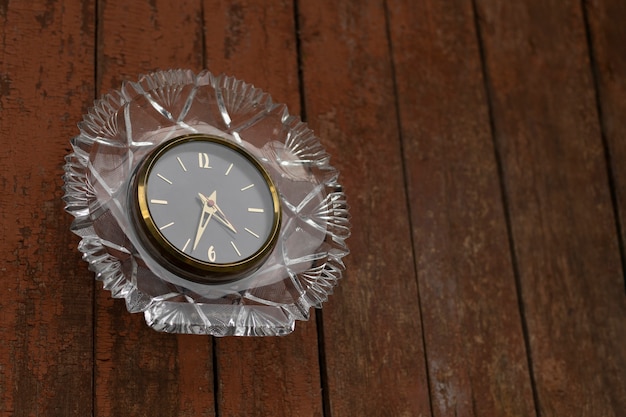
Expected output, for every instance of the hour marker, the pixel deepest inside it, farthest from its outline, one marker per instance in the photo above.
(153, 201)
(186, 244)
(248, 187)
(164, 179)
(252, 233)
(181, 164)
(166, 226)
(229, 168)
(255, 210)
(203, 160)
(235, 247)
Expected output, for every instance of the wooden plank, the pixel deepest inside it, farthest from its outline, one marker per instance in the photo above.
(564, 232)
(140, 371)
(46, 320)
(255, 40)
(608, 35)
(474, 340)
(372, 335)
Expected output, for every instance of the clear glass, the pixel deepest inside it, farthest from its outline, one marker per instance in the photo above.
(125, 125)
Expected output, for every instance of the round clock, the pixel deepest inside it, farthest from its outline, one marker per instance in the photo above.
(207, 207)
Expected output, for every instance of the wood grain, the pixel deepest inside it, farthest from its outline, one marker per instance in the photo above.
(474, 341)
(372, 334)
(148, 35)
(46, 313)
(608, 35)
(255, 40)
(480, 144)
(562, 221)
(140, 371)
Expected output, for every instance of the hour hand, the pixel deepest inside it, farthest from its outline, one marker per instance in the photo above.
(211, 201)
(222, 218)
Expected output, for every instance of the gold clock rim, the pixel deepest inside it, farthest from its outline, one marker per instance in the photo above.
(193, 268)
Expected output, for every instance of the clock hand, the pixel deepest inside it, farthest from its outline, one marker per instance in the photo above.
(211, 201)
(222, 217)
(202, 224)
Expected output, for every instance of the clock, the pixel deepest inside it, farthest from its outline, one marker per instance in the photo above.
(206, 206)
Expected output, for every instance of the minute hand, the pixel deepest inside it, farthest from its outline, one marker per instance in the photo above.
(203, 223)
(206, 209)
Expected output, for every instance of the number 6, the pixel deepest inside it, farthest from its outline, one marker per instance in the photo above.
(212, 254)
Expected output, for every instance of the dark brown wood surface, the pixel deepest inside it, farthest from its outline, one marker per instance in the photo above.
(563, 227)
(472, 326)
(46, 307)
(606, 35)
(481, 146)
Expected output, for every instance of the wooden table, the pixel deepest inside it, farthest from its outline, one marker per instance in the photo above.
(482, 147)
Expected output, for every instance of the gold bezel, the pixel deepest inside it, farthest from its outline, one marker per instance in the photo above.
(173, 258)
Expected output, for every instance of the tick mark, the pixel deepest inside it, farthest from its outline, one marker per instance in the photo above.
(255, 210)
(229, 168)
(235, 247)
(166, 226)
(186, 244)
(248, 187)
(252, 233)
(181, 164)
(153, 201)
(164, 179)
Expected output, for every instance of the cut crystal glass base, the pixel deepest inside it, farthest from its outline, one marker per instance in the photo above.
(126, 124)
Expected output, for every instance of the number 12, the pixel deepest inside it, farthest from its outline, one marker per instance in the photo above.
(203, 160)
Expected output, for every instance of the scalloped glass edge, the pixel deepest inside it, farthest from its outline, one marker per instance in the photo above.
(120, 129)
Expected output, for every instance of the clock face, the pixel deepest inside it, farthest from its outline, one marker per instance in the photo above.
(207, 207)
